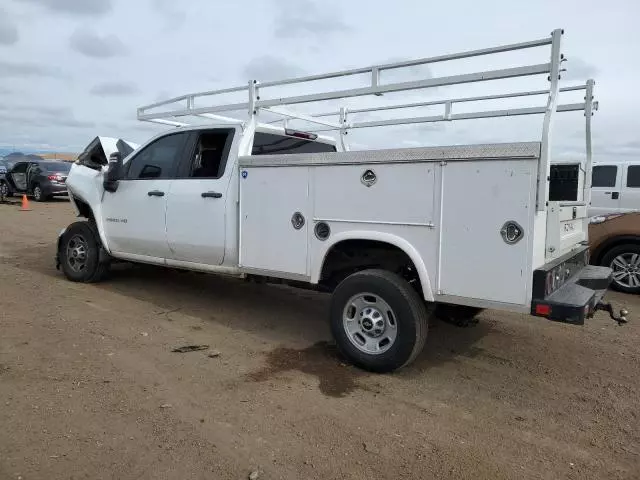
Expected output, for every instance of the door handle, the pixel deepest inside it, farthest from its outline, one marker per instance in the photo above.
(615, 195)
(211, 195)
(155, 193)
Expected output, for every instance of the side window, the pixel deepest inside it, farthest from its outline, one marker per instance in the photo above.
(604, 176)
(633, 176)
(20, 167)
(270, 144)
(209, 157)
(158, 159)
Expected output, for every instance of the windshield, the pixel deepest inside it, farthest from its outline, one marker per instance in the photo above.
(63, 167)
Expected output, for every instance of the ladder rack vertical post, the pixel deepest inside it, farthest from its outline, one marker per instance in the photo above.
(544, 165)
(253, 97)
(588, 167)
(343, 129)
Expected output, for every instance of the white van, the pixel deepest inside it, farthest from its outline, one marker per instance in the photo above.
(615, 187)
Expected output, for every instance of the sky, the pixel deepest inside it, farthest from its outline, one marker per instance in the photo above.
(74, 69)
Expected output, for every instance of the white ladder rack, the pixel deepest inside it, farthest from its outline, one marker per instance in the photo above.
(173, 111)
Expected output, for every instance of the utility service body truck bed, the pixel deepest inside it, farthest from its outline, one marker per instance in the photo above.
(391, 233)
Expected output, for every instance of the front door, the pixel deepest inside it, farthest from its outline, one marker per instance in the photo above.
(197, 200)
(606, 183)
(134, 215)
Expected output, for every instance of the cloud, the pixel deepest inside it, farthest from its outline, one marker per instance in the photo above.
(578, 69)
(267, 68)
(96, 46)
(163, 95)
(77, 7)
(303, 18)
(174, 14)
(8, 29)
(625, 149)
(115, 89)
(41, 116)
(25, 69)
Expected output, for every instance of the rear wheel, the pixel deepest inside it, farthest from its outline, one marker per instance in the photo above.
(79, 253)
(38, 194)
(378, 320)
(624, 260)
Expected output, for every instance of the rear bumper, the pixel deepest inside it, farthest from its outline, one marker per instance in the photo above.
(53, 189)
(578, 288)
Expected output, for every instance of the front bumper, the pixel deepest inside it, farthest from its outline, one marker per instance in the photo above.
(574, 290)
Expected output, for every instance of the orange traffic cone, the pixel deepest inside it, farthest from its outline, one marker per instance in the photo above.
(25, 204)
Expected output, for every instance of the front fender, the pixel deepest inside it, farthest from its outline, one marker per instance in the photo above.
(85, 184)
(391, 239)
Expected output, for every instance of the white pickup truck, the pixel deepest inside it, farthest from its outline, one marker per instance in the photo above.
(392, 234)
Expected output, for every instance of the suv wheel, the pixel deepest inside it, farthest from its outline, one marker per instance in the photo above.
(4, 190)
(79, 254)
(378, 320)
(624, 260)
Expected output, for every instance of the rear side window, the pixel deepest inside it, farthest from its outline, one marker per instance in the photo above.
(633, 176)
(604, 176)
(270, 144)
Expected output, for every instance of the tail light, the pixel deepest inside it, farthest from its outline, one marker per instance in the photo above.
(56, 178)
(299, 134)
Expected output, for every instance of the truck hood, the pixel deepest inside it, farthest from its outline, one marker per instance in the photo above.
(97, 153)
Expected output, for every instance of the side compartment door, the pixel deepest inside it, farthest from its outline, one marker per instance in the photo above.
(134, 215)
(198, 199)
(606, 182)
(630, 192)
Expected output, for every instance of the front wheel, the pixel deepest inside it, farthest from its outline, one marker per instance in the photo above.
(4, 190)
(378, 320)
(79, 254)
(624, 260)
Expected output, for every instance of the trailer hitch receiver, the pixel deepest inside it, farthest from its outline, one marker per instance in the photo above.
(607, 307)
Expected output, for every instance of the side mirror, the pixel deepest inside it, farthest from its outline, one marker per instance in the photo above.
(114, 172)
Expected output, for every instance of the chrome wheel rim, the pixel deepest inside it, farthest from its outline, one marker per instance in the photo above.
(37, 193)
(77, 253)
(626, 270)
(370, 323)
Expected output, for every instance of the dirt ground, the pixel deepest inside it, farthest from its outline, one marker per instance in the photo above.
(89, 387)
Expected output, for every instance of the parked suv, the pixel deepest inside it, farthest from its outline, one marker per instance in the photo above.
(42, 179)
(5, 165)
(615, 242)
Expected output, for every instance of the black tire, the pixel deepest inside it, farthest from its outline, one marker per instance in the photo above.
(410, 313)
(38, 194)
(624, 284)
(92, 271)
(5, 191)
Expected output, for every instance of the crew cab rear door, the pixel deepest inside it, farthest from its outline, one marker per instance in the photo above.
(198, 198)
